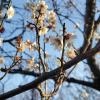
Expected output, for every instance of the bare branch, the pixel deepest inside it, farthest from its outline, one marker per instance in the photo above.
(49, 75)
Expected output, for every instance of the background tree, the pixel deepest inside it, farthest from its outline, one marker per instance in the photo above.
(47, 45)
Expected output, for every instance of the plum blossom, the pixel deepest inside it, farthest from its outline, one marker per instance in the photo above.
(42, 17)
(30, 61)
(69, 37)
(71, 53)
(10, 12)
(52, 19)
(97, 36)
(43, 31)
(1, 41)
(22, 47)
(57, 42)
(42, 7)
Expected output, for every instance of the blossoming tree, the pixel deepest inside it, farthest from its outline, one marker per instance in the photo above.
(50, 41)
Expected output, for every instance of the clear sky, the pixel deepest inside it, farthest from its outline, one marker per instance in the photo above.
(13, 81)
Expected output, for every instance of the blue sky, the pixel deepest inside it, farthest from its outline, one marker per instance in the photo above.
(80, 72)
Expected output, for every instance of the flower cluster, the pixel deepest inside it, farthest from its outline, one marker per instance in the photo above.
(42, 17)
(71, 53)
(32, 65)
(21, 46)
(17, 58)
(52, 19)
(97, 36)
(10, 12)
(30, 61)
(57, 42)
(69, 37)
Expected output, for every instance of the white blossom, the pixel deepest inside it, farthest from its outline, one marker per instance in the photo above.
(10, 12)
(43, 31)
(42, 7)
(52, 19)
(42, 17)
(85, 94)
(97, 36)
(22, 47)
(1, 41)
(56, 42)
(71, 53)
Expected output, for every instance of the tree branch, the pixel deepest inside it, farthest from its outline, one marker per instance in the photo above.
(89, 24)
(49, 75)
(85, 83)
(19, 71)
